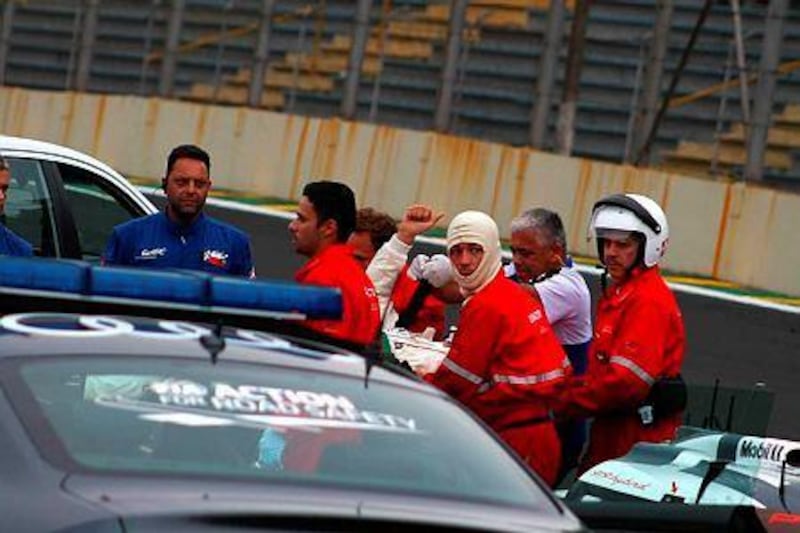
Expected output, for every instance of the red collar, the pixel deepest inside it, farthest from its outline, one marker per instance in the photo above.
(617, 293)
(331, 253)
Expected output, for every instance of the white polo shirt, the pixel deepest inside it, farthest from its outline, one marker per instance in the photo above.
(567, 304)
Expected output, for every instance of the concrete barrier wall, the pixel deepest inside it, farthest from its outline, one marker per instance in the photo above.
(729, 231)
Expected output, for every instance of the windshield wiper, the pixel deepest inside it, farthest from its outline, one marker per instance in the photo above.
(214, 342)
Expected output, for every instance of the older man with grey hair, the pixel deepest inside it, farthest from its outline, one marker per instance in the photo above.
(543, 267)
(10, 242)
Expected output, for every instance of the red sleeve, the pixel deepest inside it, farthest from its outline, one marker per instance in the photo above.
(403, 290)
(466, 366)
(323, 277)
(621, 370)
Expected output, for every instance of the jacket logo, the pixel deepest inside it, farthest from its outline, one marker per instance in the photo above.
(534, 317)
(215, 258)
(152, 253)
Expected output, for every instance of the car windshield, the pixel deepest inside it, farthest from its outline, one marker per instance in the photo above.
(257, 421)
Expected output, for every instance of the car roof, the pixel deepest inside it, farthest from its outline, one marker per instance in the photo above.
(39, 335)
(24, 147)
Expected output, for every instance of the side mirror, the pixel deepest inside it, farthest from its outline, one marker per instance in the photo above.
(793, 458)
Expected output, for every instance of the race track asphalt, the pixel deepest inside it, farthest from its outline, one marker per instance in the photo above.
(739, 345)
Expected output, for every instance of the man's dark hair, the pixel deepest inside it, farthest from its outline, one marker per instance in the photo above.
(188, 151)
(380, 226)
(335, 201)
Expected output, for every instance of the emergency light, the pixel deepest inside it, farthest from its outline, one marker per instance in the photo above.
(180, 289)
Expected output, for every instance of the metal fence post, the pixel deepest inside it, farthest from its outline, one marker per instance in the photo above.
(444, 102)
(220, 55)
(545, 78)
(301, 39)
(261, 58)
(87, 45)
(770, 57)
(69, 80)
(473, 31)
(167, 81)
(567, 111)
(359, 45)
(148, 46)
(721, 112)
(654, 70)
(5, 38)
(630, 131)
(741, 61)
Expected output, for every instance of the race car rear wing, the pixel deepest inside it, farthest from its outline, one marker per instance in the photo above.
(61, 285)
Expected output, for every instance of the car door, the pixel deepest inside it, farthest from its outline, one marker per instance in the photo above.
(95, 205)
(30, 209)
(64, 210)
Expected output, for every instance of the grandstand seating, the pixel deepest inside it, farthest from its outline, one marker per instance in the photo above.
(310, 47)
(728, 156)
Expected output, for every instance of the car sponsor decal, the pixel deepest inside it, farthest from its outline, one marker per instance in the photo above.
(91, 326)
(189, 403)
(80, 326)
(754, 449)
(613, 479)
(784, 519)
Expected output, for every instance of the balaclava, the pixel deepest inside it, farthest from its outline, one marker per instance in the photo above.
(475, 227)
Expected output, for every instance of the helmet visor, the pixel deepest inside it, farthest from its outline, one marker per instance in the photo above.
(614, 234)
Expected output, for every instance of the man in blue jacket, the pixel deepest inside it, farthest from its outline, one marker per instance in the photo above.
(10, 242)
(182, 236)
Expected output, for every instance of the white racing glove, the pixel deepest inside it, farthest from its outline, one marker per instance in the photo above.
(437, 270)
(415, 269)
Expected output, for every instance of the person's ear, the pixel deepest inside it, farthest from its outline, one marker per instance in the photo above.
(557, 253)
(329, 228)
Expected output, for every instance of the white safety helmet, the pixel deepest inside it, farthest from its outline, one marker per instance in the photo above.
(632, 213)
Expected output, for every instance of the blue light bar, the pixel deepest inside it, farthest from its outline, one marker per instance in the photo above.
(276, 296)
(63, 276)
(150, 288)
(147, 284)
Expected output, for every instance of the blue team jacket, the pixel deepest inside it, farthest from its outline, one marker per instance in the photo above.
(13, 244)
(155, 241)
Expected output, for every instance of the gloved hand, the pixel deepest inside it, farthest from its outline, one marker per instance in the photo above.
(437, 270)
(422, 359)
(415, 268)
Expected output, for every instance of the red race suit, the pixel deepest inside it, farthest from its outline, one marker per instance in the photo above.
(505, 364)
(335, 267)
(638, 338)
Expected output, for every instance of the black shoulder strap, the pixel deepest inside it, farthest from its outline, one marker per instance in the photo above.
(406, 318)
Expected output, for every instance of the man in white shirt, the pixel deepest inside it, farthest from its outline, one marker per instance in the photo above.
(541, 265)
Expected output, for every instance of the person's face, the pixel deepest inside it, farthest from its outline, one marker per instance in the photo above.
(187, 186)
(533, 255)
(466, 257)
(305, 230)
(619, 255)
(5, 180)
(363, 251)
